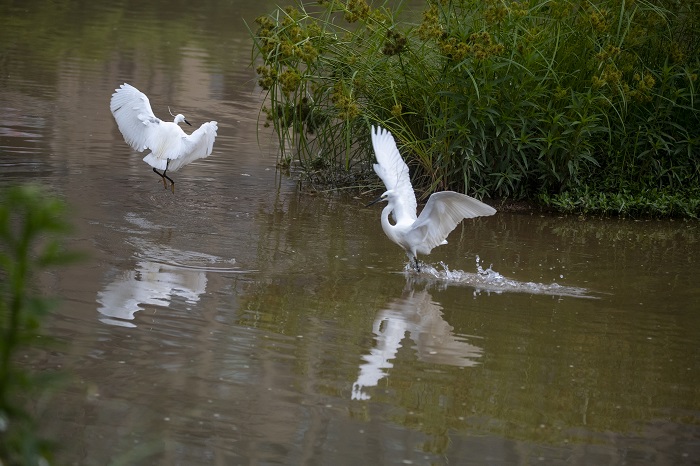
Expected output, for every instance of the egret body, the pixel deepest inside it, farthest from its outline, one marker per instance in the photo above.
(441, 214)
(171, 148)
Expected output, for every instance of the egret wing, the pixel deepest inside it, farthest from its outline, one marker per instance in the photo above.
(394, 173)
(134, 116)
(197, 145)
(441, 214)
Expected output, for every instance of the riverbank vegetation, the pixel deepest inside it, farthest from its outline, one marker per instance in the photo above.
(581, 106)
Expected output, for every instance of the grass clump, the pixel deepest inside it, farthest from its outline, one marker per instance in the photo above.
(539, 100)
(30, 226)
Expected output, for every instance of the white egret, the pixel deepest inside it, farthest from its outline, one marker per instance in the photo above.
(171, 148)
(441, 214)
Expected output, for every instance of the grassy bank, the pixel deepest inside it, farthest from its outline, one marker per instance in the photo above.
(581, 106)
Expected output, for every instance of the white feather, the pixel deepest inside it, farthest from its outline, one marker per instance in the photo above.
(441, 214)
(171, 148)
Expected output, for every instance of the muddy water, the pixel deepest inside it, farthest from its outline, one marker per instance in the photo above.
(241, 321)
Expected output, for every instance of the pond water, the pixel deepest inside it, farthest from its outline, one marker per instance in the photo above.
(242, 320)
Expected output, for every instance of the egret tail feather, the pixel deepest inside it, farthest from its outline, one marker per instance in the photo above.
(155, 162)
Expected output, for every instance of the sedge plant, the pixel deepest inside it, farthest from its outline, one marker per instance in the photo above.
(539, 100)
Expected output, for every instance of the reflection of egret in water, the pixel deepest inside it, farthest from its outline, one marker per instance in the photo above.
(151, 284)
(418, 315)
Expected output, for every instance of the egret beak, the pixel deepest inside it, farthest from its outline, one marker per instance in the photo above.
(374, 201)
(188, 122)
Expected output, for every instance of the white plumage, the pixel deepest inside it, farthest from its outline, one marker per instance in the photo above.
(171, 148)
(441, 214)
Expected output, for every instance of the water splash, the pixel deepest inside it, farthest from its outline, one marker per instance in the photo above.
(489, 281)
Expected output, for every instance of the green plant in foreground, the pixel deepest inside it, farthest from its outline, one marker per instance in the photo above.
(31, 224)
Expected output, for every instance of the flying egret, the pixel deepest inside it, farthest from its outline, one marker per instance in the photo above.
(441, 214)
(171, 148)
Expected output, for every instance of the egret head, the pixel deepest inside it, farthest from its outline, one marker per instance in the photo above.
(384, 197)
(179, 118)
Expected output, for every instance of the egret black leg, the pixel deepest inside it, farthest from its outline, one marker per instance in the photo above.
(162, 176)
(415, 258)
(172, 183)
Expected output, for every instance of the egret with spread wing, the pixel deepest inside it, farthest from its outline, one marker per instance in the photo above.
(171, 148)
(441, 214)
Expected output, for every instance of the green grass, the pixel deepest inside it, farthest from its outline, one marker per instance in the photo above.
(539, 100)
